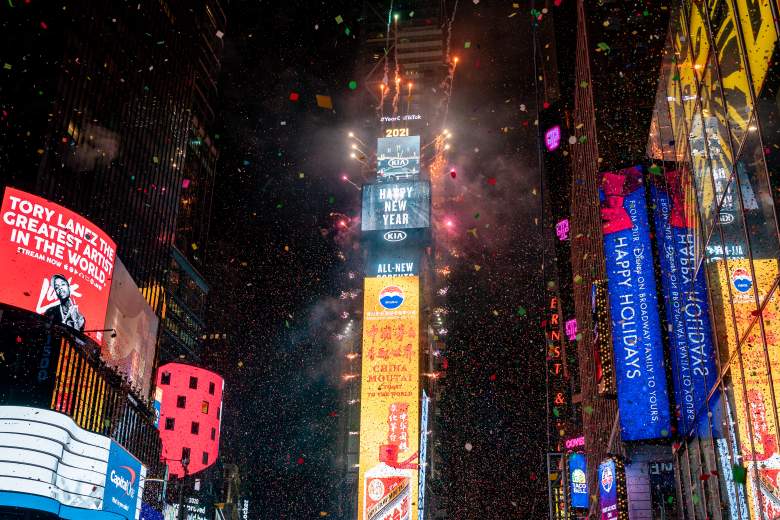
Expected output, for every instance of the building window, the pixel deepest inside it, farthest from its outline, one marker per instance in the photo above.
(170, 422)
(195, 428)
(213, 434)
(205, 458)
(211, 387)
(219, 413)
(204, 407)
(193, 382)
(181, 401)
(165, 378)
(185, 456)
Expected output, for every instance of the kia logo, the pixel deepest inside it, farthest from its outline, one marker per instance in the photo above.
(395, 236)
(398, 162)
(726, 218)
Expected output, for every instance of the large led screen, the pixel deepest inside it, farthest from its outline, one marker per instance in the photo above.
(694, 370)
(61, 262)
(397, 157)
(636, 329)
(132, 349)
(753, 408)
(396, 205)
(389, 399)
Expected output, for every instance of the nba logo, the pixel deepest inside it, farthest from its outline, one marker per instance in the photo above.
(391, 297)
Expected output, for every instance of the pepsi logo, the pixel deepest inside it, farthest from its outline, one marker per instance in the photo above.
(741, 279)
(391, 297)
(398, 162)
(395, 236)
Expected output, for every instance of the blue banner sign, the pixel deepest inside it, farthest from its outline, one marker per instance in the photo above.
(578, 480)
(123, 479)
(608, 504)
(636, 329)
(687, 309)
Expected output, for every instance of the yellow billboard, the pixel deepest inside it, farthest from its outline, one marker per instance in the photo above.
(753, 407)
(389, 399)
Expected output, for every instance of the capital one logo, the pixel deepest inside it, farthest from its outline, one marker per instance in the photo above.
(128, 486)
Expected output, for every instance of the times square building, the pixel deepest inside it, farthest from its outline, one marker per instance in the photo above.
(715, 147)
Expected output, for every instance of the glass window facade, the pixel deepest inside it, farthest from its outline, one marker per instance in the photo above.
(719, 91)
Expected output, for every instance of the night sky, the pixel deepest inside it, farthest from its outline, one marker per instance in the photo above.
(278, 259)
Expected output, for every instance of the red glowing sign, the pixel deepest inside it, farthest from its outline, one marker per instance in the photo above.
(61, 263)
(562, 229)
(190, 411)
(552, 138)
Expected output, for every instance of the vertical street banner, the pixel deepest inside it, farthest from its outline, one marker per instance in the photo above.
(578, 481)
(389, 400)
(694, 371)
(636, 329)
(608, 499)
(62, 263)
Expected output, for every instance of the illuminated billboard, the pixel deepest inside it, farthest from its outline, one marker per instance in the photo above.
(694, 371)
(61, 262)
(396, 206)
(578, 480)
(190, 416)
(636, 329)
(389, 400)
(399, 261)
(763, 463)
(58, 467)
(132, 350)
(608, 499)
(397, 157)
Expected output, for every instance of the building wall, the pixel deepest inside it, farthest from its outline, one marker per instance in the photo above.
(613, 95)
(716, 122)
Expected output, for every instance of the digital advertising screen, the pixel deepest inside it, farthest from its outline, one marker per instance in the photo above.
(389, 400)
(396, 206)
(636, 328)
(62, 263)
(132, 350)
(694, 369)
(397, 157)
(578, 480)
(608, 503)
(753, 412)
(389, 262)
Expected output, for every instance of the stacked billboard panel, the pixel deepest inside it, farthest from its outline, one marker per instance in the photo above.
(395, 224)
